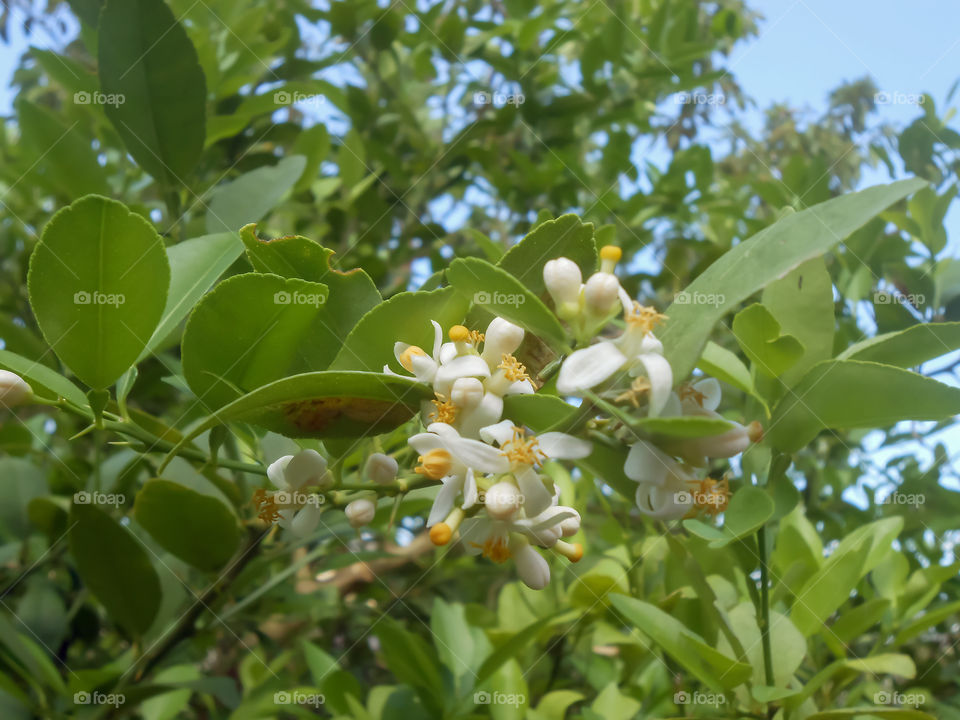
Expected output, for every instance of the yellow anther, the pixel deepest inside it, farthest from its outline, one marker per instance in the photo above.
(687, 391)
(495, 548)
(440, 534)
(444, 410)
(435, 465)
(476, 337)
(458, 333)
(643, 317)
(406, 357)
(523, 450)
(611, 252)
(266, 506)
(711, 495)
(637, 388)
(513, 369)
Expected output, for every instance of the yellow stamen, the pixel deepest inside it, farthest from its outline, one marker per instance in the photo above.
(495, 547)
(712, 496)
(611, 252)
(571, 551)
(523, 450)
(687, 391)
(643, 317)
(440, 534)
(444, 410)
(406, 357)
(476, 337)
(266, 506)
(637, 388)
(435, 464)
(458, 333)
(513, 369)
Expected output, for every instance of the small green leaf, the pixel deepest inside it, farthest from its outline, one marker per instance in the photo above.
(565, 237)
(496, 290)
(758, 334)
(852, 394)
(43, 380)
(252, 195)
(115, 567)
(542, 413)
(907, 348)
(98, 283)
(198, 529)
(151, 70)
(682, 426)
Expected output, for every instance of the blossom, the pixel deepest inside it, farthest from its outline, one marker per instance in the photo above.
(14, 390)
(291, 507)
(663, 485)
(360, 512)
(381, 469)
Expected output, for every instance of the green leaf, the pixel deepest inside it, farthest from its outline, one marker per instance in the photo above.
(907, 348)
(61, 157)
(542, 413)
(611, 704)
(198, 529)
(496, 290)
(853, 394)
(253, 329)
(802, 303)
(566, 237)
(511, 648)
(749, 508)
(411, 660)
(98, 283)
(708, 665)
(115, 567)
(150, 66)
(689, 426)
(766, 256)
(43, 380)
(404, 317)
(828, 588)
(252, 195)
(758, 334)
(895, 713)
(726, 366)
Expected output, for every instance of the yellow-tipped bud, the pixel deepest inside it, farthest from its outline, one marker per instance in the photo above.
(435, 464)
(458, 333)
(611, 252)
(755, 431)
(572, 551)
(440, 534)
(406, 357)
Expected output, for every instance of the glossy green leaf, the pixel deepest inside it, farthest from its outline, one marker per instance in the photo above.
(496, 290)
(198, 529)
(151, 69)
(681, 426)
(907, 348)
(841, 394)
(566, 237)
(542, 413)
(759, 335)
(404, 317)
(768, 255)
(98, 284)
(894, 713)
(828, 588)
(252, 195)
(115, 567)
(43, 380)
(707, 664)
(195, 265)
(250, 330)
(749, 508)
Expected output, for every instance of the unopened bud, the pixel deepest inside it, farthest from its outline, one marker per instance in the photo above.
(501, 338)
(502, 500)
(14, 390)
(601, 294)
(563, 280)
(381, 469)
(307, 467)
(467, 392)
(360, 512)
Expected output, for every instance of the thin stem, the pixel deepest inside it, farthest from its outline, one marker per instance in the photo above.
(765, 606)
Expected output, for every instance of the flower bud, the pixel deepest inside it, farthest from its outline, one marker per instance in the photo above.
(307, 467)
(14, 390)
(360, 512)
(601, 294)
(502, 500)
(381, 469)
(563, 279)
(501, 338)
(531, 567)
(570, 526)
(467, 392)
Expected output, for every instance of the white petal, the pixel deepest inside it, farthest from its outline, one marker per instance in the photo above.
(473, 533)
(673, 407)
(437, 339)
(448, 351)
(711, 392)
(443, 503)
(307, 467)
(469, 490)
(521, 387)
(536, 497)
(661, 380)
(589, 367)
(425, 442)
(463, 366)
(443, 430)
(398, 349)
(560, 446)
(650, 344)
(275, 471)
(663, 503)
(478, 455)
(489, 411)
(532, 567)
(305, 521)
(499, 433)
(647, 464)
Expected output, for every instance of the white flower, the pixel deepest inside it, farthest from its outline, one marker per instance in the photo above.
(14, 390)
(564, 281)
(601, 294)
(501, 338)
(294, 509)
(381, 469)
(360, 512)
(664, 486)
(702, 398)
(637, 352)
(531, 566)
